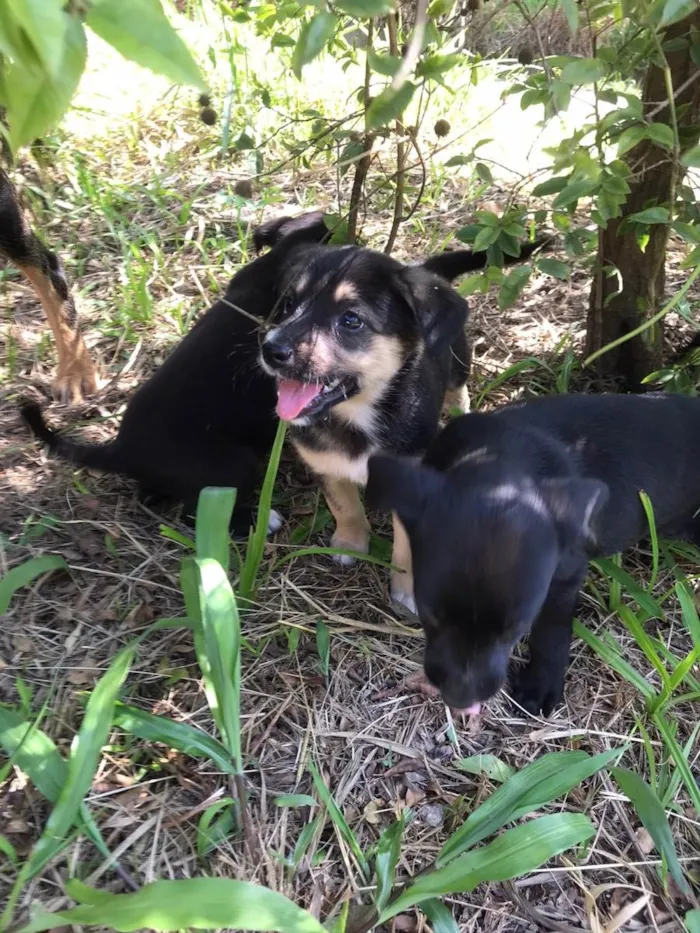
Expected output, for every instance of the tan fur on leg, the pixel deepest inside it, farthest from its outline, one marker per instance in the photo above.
(402, 577)
(352, 527)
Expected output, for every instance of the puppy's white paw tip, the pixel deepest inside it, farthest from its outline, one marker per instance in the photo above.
(404, 603)
(274, 522)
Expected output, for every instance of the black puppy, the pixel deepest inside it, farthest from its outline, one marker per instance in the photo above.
(207, 415)
(505, 511)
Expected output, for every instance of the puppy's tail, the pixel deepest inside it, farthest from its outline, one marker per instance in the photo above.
(103, 457)
(453, 263)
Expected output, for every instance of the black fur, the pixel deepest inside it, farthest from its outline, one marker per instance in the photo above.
(505, 511)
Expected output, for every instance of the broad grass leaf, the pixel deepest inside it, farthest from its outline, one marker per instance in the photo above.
(35, 754)
(191, 903)
(518, 851)
(608, 649)
(178, 735)
(386, 858)
(312, 40)
(214, 509)
(689, 610)
(534, 786)
(221, 645)
(214, 825)
(389, 105)
(440, 916)
(23, 574)
(82, 763)
(680, 758)
(247, 583)
(651, 812)
(35, 99)
(490, 765)
(141, 32)
(341, 824)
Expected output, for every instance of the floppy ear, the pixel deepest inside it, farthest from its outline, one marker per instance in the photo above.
(576, 503)
(401, 485)
(438, 310)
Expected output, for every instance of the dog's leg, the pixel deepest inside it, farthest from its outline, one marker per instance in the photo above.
(352, 528)
(76, 375)
(460, 365)
(402, 578)
(458, 397)
(540, 685)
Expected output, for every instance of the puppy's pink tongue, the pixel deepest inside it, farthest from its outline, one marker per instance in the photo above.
(293, 397)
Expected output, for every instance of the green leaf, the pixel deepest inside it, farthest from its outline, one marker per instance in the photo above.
(584, 71)
(518, 851)
(691, 158)
(553, 267)
(389, 105)
(551, 186)
(364, 8)
(534, 786)
(629, 138)
(490, 765)
(295, 800)
(484, 172)
(572, 192)
(386, 65)
(692, 921)
(515, 282)
(689, 232)
(24, 574)
(82, 763)
(35, 101)
(178, 735)
(661, 134)
(8, 850)
(323, 645)
(388, 852)
(650, 811)
(607, 649)
(141, 32)
(440, 916)
(281, 41)
(626, 580)
(45, 24)
(352, 150)
(312, 40)
(485, 237)
(459, 160)
(214, 510)
(652, 215)
(339, 821)
(195, 903)
(214, 825)
(570, 8)
(675, 10)
(433, 66)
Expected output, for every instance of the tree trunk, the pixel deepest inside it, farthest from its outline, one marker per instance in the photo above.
(629, 284)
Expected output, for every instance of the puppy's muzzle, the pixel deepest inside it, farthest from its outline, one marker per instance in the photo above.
(277, 352)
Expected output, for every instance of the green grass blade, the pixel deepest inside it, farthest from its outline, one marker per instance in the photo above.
(537, 784)
(388, 852)
(323, 646)
(256, 547)
(210, 830)
(191, 903)
(341, 825)
(689, 610)
(83, 760)
(635, 627)
(177, 735)
(214, 510)
(653, 537)
(518, 851)
(692, 921)
(221, 641)
(8, 850)
(35, 753)
(295, 800)
(677, 777)
(650, 811)
(189, 584)
(608, 649)
(679, 759)
(440, 916)
(646, 602)
(23, 574)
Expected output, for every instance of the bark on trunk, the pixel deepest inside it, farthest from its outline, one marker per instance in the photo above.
(629, 285)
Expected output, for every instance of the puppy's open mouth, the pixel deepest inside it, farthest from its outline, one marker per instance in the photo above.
(297, 399)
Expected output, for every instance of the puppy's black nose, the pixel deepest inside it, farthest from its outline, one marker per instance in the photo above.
(277, 351)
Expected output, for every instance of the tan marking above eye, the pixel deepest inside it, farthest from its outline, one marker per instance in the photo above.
(345, 291)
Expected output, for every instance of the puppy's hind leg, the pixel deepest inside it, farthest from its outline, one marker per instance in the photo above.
(352, 528)
(402, 577)
(460, 364)
(76, 374)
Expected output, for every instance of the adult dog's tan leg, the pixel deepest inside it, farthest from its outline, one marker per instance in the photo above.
(76, 374)
(352, 528)
(402, 577)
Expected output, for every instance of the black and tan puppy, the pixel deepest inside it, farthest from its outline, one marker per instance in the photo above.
(76, 374)
(505, 511)
(207, 415)
(363, 351)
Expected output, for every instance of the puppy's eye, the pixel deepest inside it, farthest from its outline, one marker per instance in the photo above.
(351, 321)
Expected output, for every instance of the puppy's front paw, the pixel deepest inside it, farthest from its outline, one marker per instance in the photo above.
(404, 602)
(274, 522)
(349, 542)
(537, 691)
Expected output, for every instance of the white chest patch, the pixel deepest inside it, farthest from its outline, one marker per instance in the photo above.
(334, 463)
